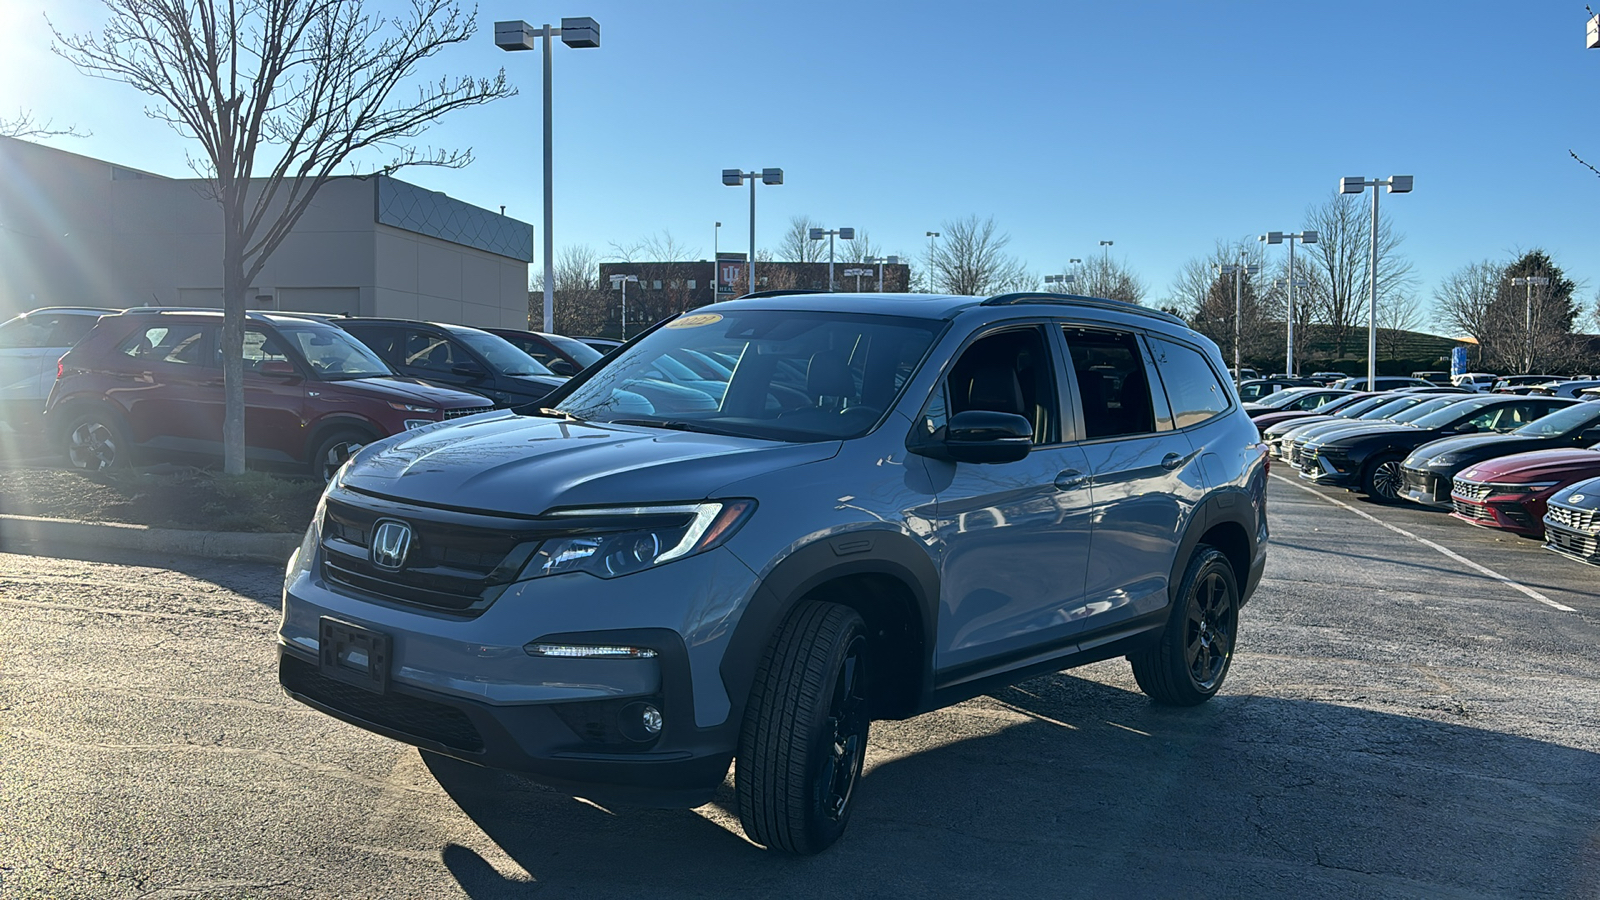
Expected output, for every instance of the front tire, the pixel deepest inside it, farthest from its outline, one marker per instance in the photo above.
(804, 739)
(332, 451)
(1383, 479)
(1187, 665)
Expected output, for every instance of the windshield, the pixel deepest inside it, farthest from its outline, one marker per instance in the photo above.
(581, 353)
(1435, 405)
(1389, 408)
(1440, 416)
(772, 374)
(333, 354)
(1358, 406)
(502, 355)
(1282, 398)
(1573, 418)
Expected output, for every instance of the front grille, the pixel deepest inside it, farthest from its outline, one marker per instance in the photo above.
(1474, 511)
(452, 567)
(1579, 520)
(1416, 480)
(411, 716)
(1296, 448)
(466, 411)
(1583, 546)
(1470, 490)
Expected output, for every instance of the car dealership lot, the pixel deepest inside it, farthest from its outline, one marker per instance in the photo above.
(1396, 724)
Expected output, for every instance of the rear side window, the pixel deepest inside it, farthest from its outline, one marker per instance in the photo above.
(178, 343)
(1112, 386)
(1193, 388)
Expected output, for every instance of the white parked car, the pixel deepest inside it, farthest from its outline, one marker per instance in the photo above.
(1478, 381)
(30, 344)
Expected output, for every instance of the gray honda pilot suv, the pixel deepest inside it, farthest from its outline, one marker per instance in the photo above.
(766, 523)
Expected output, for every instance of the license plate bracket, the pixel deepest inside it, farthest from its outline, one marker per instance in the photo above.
(354, 654)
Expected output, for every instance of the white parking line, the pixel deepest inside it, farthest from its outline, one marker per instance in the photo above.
(1427, 543)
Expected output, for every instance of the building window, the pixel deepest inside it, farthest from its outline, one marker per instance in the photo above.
(656, 284)
(692, 284)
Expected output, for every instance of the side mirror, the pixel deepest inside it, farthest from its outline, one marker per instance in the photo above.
(1590, 436)
(980, 436)
(561, 367)
(468, 370)
(279, 368)
(1465, 428)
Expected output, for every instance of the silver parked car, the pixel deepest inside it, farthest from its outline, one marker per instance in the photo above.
(30, 345)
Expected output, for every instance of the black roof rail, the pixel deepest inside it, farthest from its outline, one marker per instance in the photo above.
(1078, 300)
(783, 293)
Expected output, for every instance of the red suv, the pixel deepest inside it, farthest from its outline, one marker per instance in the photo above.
(151, 380)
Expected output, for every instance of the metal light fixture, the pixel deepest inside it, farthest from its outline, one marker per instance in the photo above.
(847, 234)
(580, 32)
(1279, 237)
(1531, 282)
(623, 280)
(734, 178)
(1398, 184)
(1238, 271)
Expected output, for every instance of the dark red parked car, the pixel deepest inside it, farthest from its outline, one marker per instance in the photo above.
(151, 381)
(1510, 492)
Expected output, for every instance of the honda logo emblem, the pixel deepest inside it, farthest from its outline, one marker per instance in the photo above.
(391, 543)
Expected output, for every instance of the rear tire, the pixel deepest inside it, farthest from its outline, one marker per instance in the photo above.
(804, 739)
(96, 441)
(1187, 665)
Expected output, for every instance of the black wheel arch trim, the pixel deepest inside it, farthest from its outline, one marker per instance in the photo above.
(892, 554)
(1227, 505)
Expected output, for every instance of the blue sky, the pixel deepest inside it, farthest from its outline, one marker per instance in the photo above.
(1162, 127)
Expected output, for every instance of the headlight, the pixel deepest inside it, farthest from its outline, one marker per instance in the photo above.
(620, 541)
(414, 408)
(1531, 488)
(1447, 459)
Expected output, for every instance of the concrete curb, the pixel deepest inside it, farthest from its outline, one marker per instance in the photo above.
(16, 531)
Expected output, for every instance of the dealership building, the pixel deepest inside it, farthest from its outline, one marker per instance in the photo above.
(76, 231)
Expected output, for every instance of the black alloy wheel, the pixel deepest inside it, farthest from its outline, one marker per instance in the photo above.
(1384, 479)
(1187, 665)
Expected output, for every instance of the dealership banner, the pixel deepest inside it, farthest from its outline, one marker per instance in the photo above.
(731, 277)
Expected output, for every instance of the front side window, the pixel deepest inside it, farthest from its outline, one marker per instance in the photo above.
(502, 355)
(1007, 372)
(333, 354)
(775, 374)
(28, 333)
(1194, 391)
(433, 352)
(1112, 386)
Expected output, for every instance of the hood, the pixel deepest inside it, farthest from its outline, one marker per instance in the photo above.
(1539, 465)
(1392, 434)
(1477, 446)
(525, 465)
(1584, 495)
(1299, 426)
(535, 382)
(404, 390)
(1334, 431)
(1267, 420)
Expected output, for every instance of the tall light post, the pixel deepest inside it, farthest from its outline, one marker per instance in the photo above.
(1238, 271)
(1278, 237)
(1399, 184)
(880, 262)
(623, 281)
(817, 234)
(857, 272)
(1105, 250)
(1531, 281)
(931, 236)
(580, 32)
(734, 178)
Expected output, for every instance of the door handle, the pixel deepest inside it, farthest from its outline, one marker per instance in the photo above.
(1067, 479)
(1171, 461)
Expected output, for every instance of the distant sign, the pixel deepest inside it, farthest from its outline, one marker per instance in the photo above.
(731, 275)
(1458, 361)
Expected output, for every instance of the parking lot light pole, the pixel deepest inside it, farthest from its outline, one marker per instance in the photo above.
(579, 32)
(734, 178)
(817, 234)
(1062, 280)
(1398, 184)
(1278, 237)
(623, 280)
(880, 261)
(931, 236)
(1105, 250)
(1530, 282)
(1238, 271)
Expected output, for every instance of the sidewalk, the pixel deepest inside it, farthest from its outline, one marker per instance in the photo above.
(19, 533)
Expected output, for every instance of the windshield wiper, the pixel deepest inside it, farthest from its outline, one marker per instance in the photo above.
(677, 425)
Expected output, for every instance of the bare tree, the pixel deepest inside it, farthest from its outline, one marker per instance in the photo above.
(858, 249)
(582, 302)
(1399, 314)
(1205, 296)
(26, 126)
(674, 267)
(307, 85)
(1108, 278)
(1339, 261)
(796, 244)
(971, 258)
(1463, 299)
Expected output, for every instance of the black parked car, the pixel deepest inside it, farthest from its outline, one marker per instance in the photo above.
(557, 352)
(458, 357)
(1369, 459)
(1429, 470)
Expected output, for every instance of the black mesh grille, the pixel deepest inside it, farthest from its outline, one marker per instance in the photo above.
(1584, 546)
(410, 716)
(1474, 511)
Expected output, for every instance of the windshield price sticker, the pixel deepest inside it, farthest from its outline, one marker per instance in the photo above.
(696, 321)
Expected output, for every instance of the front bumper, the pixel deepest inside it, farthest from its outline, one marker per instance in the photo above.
(1427, 488)
(464, 686)
(1573, 533)
(1319, 468)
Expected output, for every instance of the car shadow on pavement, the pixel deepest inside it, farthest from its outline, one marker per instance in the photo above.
(1063, 787)
(257, 581)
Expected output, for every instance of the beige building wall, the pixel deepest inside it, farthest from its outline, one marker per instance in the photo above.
(80, 231)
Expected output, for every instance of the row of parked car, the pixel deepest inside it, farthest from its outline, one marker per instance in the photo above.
(1524, 463)
(112, 385)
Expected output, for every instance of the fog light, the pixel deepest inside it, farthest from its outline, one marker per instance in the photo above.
(640, 721)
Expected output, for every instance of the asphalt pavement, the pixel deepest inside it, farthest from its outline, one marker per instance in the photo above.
(1397, 723)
